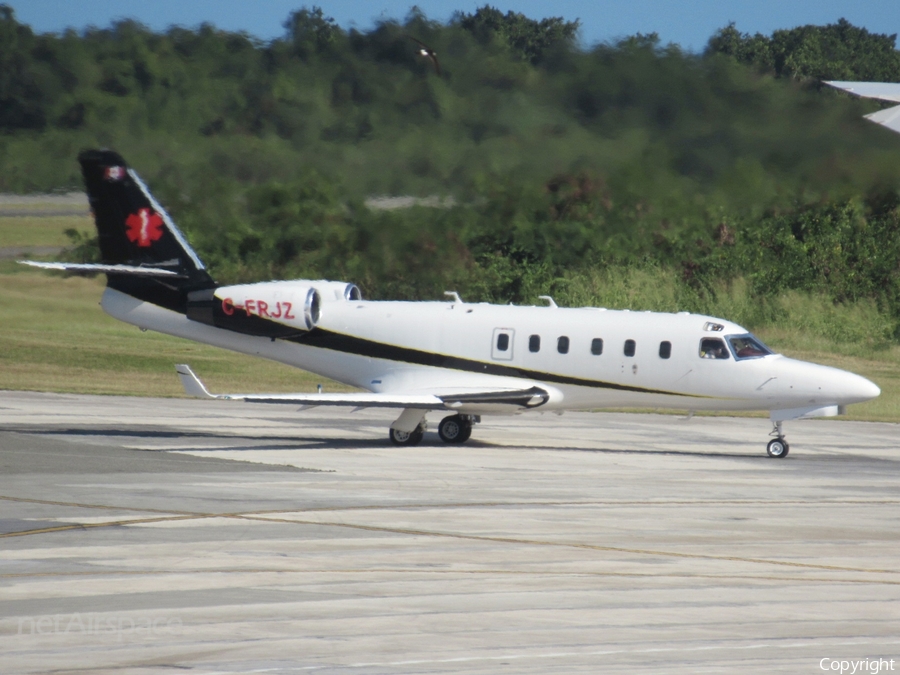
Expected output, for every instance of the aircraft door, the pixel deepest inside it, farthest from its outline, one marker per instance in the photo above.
(502, 344)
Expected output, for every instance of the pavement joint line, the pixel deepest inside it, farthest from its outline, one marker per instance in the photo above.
(261, 516)
(425, 572)
(591, 547)
(456, 505)
(110, 523)
(95, 506)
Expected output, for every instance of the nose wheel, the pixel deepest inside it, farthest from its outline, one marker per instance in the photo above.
(777, 447)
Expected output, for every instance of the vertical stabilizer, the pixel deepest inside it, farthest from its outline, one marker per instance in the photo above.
(135, 231)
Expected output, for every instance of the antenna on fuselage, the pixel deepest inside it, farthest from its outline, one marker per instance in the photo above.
(550, 301)
(454, 295)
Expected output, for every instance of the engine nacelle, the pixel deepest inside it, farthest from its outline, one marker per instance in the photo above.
(270, 309)
(336, 290)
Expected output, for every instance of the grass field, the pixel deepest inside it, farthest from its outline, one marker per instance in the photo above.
(55, 337)
(26, 231)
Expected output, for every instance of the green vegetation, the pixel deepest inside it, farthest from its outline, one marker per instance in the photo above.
(629, 174)
(23, 231)
(839, 51)
(55, 337)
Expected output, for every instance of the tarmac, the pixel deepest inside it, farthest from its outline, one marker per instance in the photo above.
(146, 535)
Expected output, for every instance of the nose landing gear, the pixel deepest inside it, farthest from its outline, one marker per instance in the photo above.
(777, 447)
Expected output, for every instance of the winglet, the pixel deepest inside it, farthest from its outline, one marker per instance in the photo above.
(191, 383)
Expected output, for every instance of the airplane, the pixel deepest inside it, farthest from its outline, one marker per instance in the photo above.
(466, 360)
(884, 91)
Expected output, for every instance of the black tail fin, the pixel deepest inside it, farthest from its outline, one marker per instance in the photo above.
(135, 231)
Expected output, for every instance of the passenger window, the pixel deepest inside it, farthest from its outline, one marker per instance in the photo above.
(713, 348)
(502, 342)
(597, 346)
(665, 349)
(562, 345)
(629, 347)
(534, 343)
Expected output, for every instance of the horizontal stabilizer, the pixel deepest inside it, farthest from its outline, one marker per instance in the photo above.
(93, 268)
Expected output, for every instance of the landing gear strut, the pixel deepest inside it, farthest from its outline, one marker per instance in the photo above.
(456, 428)
(777, 447)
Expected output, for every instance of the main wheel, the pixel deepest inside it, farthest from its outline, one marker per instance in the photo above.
(407, 437)
(778, 447)
(455, 429)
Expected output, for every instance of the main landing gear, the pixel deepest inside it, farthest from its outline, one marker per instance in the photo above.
(777, 447)
(456, 428)
(413, 437)
(453, 429)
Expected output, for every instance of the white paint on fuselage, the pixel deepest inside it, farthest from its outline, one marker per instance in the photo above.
(467, 331)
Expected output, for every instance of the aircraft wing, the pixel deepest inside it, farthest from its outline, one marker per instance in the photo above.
(884, 91)
(498, 399)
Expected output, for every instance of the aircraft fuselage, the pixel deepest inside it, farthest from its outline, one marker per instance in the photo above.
(584, 358)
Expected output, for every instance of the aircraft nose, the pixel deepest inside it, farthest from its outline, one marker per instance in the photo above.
(856, 389)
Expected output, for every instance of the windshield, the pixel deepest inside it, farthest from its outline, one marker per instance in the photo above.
(747, 347)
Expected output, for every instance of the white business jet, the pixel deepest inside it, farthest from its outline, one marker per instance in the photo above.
(463, 359)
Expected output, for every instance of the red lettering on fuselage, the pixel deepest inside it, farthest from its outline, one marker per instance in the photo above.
(260, 308)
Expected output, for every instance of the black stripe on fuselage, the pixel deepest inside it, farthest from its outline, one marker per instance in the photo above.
(349, 344)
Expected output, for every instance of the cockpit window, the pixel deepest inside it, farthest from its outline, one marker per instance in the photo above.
(713, 348)
(747, 347)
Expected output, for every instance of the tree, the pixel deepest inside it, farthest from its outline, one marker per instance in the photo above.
(21, 100)
(311, 32)
(839, 51)
(529, 39)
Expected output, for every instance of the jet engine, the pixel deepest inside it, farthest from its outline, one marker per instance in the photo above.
(274, 309)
